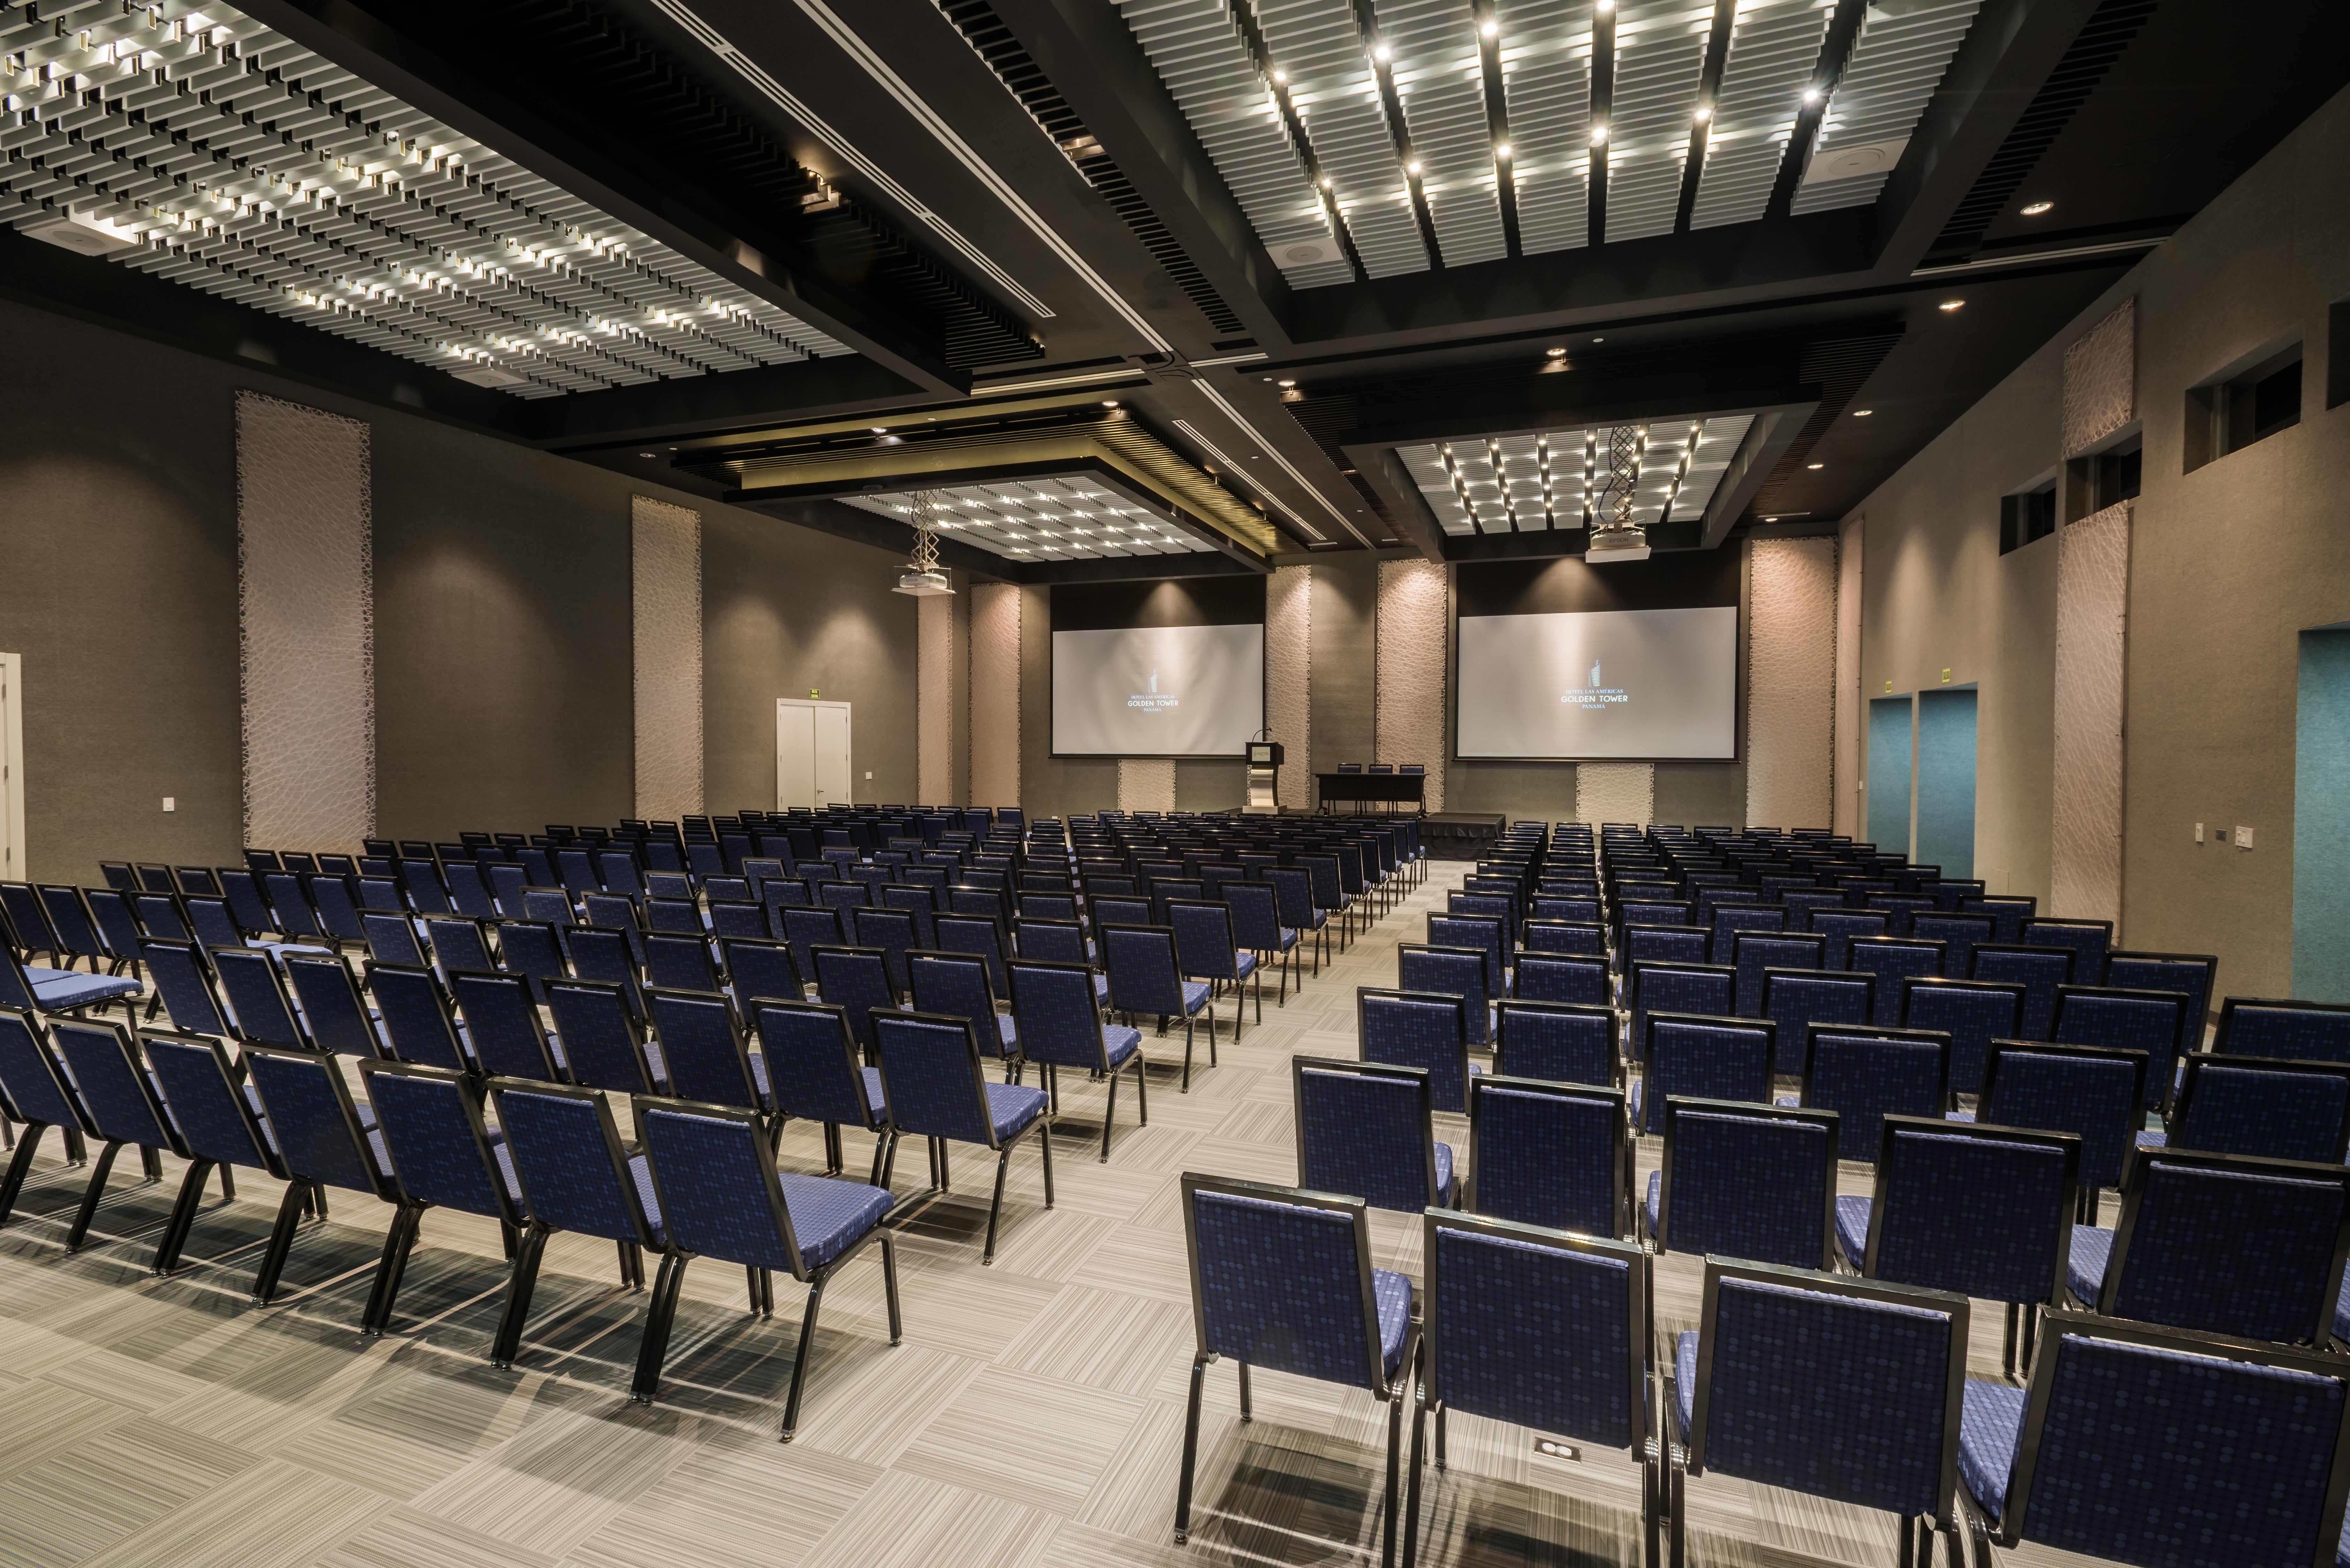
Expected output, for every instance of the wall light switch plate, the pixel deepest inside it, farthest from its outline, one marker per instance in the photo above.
(2243, 837)
(170, 803)
(2199, 833)
(869, 776)
(1946, 675)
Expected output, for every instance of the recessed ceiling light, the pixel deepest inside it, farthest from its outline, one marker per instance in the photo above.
(1555, 353)
(1598, 136)
(1411, 168)
(1770, 520)
(2036, 208)
(1383, 54)
(1703, 114)
(1816, 465)
(1289, 383)
(1811, 95)
(1862, 413)
(644, 454)
(1281, 78)
(880, 429)
(1599, 340)
(1490, 29)
(1109, 402)
(1502, 152)
(1951, 305)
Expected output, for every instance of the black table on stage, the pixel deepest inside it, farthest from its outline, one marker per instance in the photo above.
(1358, 788)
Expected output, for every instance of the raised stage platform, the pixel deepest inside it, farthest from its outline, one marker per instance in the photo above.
(1459, 834)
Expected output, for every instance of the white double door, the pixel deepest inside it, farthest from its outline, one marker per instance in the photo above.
(812, 754)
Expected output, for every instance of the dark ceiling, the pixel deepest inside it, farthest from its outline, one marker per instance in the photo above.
(990, 199)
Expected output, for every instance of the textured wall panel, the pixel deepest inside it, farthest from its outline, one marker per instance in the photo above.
(995, 694)
(1288, 676)
(1791, 668)
(1411, 675)
(2092, 626)
(936, 688)
(2101, 379)
(305, 621)
(1847, 682)
(1615, 792)
(1146, 784)
(665, 589)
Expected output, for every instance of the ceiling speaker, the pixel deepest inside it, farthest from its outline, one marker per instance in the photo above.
(1306, 253)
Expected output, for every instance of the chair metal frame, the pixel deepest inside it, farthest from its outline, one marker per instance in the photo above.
(1625, 1163)
(2193, 1065)
(942, 1177)
(1300, 1066)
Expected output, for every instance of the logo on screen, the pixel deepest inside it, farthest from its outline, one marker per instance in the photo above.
(1152, 700)
(1595, 696)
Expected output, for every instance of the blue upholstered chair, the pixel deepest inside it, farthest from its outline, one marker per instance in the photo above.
(810, 1053)
(1540, 1328)
(533, 949)
(1865, 1074)
(1208, 947)
(1797, 1000)
(443, 1155)
(1257, 925)
(2041, 971)
(333, 1013)
(1986, 1212)
(2153, 1022)
(854, 979)
(698, 1049)
(933, 1083)
(1427, 1030)
(720, 1195)
(1756, 954)
(1563, 1042)
(219, 1118)
(1563, 978)
(1557, 934)
(2097, 1457)
(2091, 1090)
(1545, 1153)
(2225, 1243)
(1972, 1013)
(503, 1029)
(757, 969)
(249, 982)
(183, 983)
(1293, 889)
(2088, 939)
(2256, 1105)
(1145, 980)
(419, 1021)
(964, 932)
(890, 932)
(1705, 988)
(1745, 1181)
(958, 985)
(1282, 1279)
(104, 1083)
(1466, 972)
(1710, 1058)
(1061, 1026)
(2291, 1031)
(1957, 932)
(1893, 960)
(603, 1042)
(1840, 927)
(1367, 1128)
(2190, 974)
(1834, 1387)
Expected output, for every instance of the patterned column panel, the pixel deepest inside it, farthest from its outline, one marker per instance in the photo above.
(942, 660)
(1615, 792)
(995, 694)
(1791, 668)
(1146, 784)
(1288, 679)
(1410, 708)
(305, 625)
(2101, 379)
(1849, 726)
(2092, 626)
(665, 583)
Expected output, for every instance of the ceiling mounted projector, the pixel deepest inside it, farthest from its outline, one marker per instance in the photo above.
(922, 585)
(1617, 545)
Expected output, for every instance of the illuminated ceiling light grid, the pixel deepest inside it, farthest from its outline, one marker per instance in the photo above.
(1547, 77)
(1774, 50)
(1041, 520)
(1198, 52)
(1898, 61)
(1439, 79)
(1464, 487)
(1660, 57)
(1314, 43)
(1717, 444)
(414, 239)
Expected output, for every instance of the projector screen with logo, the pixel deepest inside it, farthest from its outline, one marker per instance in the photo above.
(1157, 691)
(1643, 684)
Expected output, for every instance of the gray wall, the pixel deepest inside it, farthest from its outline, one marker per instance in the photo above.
(2228, 565)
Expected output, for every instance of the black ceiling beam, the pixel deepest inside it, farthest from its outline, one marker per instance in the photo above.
(558, 141)
(1709, 90)
(1497, 119)
(1602, 117)
(1835, 53)
(704, 406)
(1366, 32)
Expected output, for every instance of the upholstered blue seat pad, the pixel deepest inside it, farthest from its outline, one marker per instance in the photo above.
(2342, 1311)
(61, 988)
(829, 1216)
(2084, 1263)
(1012, 1106)
(1195, 996)
(1990, 1420)
(1392, 1294)
(1851, 1227)
(1444, 1172)
(1244, 963)
(874, 1098)
(1656, 1200)
(640, 1170)
(1684, 1361)
(1119, 1044)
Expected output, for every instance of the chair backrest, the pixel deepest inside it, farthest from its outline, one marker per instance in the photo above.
(1256, 914)
(1755, 953)
(440, 1147)
(574, 1174)
(1561, 977)
(457, 944)
(1709, 989)
(1797, 999)
(893, 932)
(165, 915)
(242, 891)
(1748, 1181)
(680, 962)
(332, 1009)
(1892, 959)
(117, 1100)
(1865, 1074)
(1972, 1013)
(533, 949)
(1052, 942)
(207, 1099)
(2085, 1089)
(69, 919)
(182, 977)
(1984, 1210)
(595, 1021)
(2190, 974)
(502, 1026)
(932, 1076)
(1563, 935)
(1558, 1043)
(1053, 1006)
(956, 985)
(2261, 1485)
(1366, 1129)
(702, 1048)
(1550, 1154)
(32, 1082)
(2147, 1021)
(2088, 939)
(1281, 1279)
(1842, 1388)
(1662, 944)
(980, 934)
(418, 1025)
(250, 985)
(1710, 1058)
(810, 928)
(2260, 1106)
(1418, 1029)
(1530, 1324)
(2230, 1244)
(1465, 973)
(812, 1062)
(2039, 969)
(320, 1133)
(1840, 927)
(857, 979)
(714, 1176)
(1958, 933)
(763, 968)
(2291, 1031)
(1205, 945)
(1145, 973)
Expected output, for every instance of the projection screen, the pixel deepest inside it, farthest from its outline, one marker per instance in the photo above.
(1645, 684)
(1157, 691)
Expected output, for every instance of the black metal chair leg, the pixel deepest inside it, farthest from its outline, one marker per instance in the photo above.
(882, 1146)
(1676, 1481)
(1141, 1092)
(1003, 1164)
(1395, 1476)
(1186, 1058)
(1411, 1482)
(520, 1284)
(184, 1216)
(19, 1167)
(800, 1357)
(91, 1195)
(1044, 1145)
(659, 1314)
(1442, 1453)
(1248, 1405)
(77, 1147)
(150, 1163)
(1110, 1115)
(228, 1185)
(281, 1241)
(396, 1244)
(319, 1201)
(1190, 1452)
(890, 1285)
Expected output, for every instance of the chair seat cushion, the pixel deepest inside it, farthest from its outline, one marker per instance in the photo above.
(2154, 1140)
(829, 1216)
(1288, 940)
(58, 990)
(1119, 1044)
(1007, 1038)
(1392, 1293)
(2084, 1263)
(1444, 1173)
(1195, 996)
(1851, 1227)
(1656, 1200)
(875, 1099)
(2342, 1312)
(640, 1169)
(1012, 1106)
(1243, 964)
(1990, 1420)
(1101, 988)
